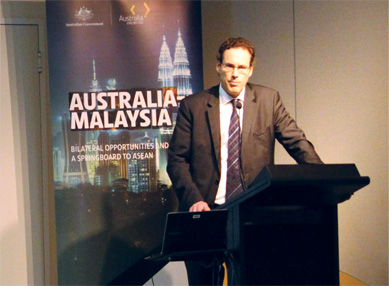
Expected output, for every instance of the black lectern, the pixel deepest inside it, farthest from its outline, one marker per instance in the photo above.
(283, 230)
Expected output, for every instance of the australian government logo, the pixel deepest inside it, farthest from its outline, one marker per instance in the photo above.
(138, 14)
(83, 16)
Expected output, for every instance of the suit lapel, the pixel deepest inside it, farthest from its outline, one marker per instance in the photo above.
(249, 111)
(213, 116)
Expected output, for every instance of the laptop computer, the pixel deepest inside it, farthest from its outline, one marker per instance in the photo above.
(193, 235)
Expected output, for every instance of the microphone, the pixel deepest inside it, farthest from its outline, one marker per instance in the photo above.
(238, 104)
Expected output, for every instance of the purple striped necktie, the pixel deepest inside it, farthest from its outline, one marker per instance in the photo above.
(234, 183)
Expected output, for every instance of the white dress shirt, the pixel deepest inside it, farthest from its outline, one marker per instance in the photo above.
(226, 108)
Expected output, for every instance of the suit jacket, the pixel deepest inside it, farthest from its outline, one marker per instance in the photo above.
(194, 153)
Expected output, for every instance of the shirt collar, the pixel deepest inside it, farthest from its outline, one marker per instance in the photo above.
(226, 98)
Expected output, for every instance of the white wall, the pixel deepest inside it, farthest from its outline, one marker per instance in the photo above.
(13, 246)
(342, 103)
(27, 248)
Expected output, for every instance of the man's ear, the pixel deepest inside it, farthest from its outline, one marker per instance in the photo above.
(251, 71)
(218, 67)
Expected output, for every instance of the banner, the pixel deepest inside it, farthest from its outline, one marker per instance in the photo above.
(118, 71)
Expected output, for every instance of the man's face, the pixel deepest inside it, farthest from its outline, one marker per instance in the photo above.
(235, 70)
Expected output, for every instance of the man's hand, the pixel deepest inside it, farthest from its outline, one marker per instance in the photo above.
(199, 207)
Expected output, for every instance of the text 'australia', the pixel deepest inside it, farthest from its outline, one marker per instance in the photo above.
(121, 109)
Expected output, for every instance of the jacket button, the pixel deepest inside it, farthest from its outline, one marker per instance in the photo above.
(216, 182)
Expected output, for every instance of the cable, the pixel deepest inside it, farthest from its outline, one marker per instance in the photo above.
(229, 260)
(217, 271)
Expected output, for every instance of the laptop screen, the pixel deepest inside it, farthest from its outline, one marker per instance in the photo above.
(195, 232)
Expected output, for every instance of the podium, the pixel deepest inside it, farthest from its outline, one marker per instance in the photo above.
(283, 230)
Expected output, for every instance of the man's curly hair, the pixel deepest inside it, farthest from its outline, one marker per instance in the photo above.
(236, 43)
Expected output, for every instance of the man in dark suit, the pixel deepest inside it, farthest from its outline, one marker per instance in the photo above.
(198, 152)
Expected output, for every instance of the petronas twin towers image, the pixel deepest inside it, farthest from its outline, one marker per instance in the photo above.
(175, 73)
(171, 73)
